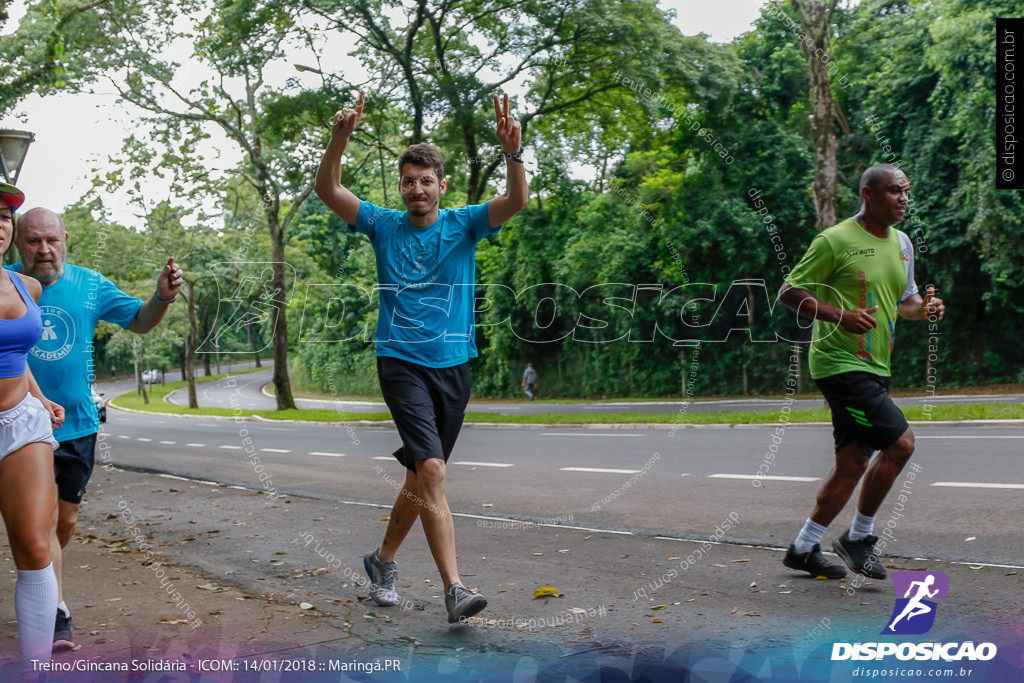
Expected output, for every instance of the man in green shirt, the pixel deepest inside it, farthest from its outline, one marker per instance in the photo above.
(854, 280)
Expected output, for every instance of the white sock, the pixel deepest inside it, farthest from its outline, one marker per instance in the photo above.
(35, 603)
(63, 607)
(862, 526)
(810, 533)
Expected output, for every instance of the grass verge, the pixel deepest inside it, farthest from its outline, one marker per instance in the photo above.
(955, 411)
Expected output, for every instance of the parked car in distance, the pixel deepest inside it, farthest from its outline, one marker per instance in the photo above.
(101, 405)
(150, 376)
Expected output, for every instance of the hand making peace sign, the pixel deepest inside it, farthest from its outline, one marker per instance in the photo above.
(509, 131)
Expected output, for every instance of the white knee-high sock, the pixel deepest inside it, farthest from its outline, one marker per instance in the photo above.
(35, 602)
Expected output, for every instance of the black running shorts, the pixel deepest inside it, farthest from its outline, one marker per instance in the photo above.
(73, 461)
(862, 410)
(427, 405)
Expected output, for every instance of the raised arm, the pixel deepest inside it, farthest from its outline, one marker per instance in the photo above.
(336, 196)
(510, 135)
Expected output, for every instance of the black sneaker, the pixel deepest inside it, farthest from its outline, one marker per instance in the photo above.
(813, 562)
(860, 556)
(62, 632)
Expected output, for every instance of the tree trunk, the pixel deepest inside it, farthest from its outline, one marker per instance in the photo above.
(282, 383)
(822, 131)
(190, 346)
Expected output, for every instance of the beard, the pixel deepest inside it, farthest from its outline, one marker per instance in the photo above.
(45, 278)
(419, 213)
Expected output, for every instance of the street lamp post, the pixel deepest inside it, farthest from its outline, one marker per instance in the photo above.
(13, 146)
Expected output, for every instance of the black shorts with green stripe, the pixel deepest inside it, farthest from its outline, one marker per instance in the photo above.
(862, 410)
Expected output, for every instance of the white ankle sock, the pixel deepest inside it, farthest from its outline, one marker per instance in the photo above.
(862, 526)
(810, 534)
(35, 603)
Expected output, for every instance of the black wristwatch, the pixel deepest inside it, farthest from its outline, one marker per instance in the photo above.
(517, 157)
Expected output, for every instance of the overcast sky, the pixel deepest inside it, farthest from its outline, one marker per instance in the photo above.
(76, 133)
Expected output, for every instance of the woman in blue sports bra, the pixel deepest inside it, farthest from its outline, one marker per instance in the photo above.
(27, 419)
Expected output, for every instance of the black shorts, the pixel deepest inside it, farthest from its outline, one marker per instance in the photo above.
(427, 404)
(862, 410)
(72, 465)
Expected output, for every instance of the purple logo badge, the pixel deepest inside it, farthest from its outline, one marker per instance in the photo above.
(914, 612)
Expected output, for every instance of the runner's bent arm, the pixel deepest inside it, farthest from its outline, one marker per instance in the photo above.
(858, 320)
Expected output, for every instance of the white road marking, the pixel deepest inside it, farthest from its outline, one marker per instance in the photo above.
(977, 485)
(483, 464)
(123, 436)
(968, 437)
(274, 450)
(767, 477)
(168, 443)
(328, 455)
(383, 457)
(196, 445)
(581, 433)
(143, 439)
(599, 470)
(231, 448)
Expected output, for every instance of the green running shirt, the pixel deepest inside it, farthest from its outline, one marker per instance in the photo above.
(848, 267)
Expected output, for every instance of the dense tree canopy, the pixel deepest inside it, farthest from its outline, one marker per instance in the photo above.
(673, 179)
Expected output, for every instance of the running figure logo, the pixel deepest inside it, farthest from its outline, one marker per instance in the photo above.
(914, 613)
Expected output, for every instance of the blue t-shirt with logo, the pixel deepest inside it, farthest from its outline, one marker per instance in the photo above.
(427, 282)
(62, 359)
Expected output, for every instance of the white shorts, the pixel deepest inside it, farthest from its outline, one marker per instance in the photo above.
(28, 422)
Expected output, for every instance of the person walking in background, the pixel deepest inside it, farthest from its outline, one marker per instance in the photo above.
(529, 382)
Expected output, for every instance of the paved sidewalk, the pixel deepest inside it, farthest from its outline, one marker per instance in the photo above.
(245, 564)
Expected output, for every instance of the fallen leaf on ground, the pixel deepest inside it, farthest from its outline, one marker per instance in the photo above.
(660, 607)
(657, 621)
(306, 605)
(545, 591)
(723, 566)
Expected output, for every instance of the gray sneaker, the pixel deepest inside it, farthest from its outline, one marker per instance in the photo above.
(462, 603)
(382, 579)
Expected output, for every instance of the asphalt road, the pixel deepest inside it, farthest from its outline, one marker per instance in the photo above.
(656, 482)
(247, 395)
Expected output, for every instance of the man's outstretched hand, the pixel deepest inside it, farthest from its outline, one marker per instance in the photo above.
(346, 120)
(508, 130)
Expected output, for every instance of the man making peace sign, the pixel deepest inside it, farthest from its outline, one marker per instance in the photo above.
(426, 273)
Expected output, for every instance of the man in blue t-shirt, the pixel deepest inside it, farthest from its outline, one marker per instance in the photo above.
(74, 300)
(424, 338)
